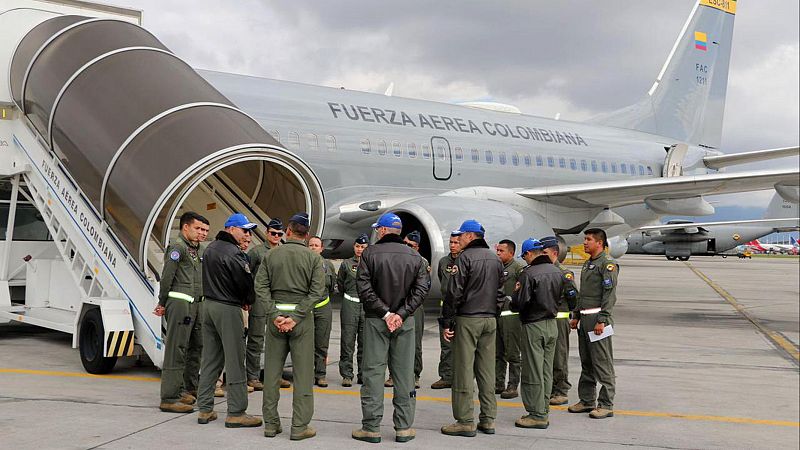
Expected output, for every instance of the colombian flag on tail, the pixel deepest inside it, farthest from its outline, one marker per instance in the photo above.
(700, 41)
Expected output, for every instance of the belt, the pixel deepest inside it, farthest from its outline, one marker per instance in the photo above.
(351, 298)
(508, 313)
(286, 306)
(323, 303)
(180, 296)
(590, 311)
(562, 315)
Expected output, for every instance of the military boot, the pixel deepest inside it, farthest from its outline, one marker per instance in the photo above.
(531, 422)
(307, 433)
(559, 400)
(580, 407)
(460, 429)
(510, 392)
(347, 382)
(176, 407)
(271, 431)
(187, 399)
(389, 382)
(373, 437)
(205, 417)
(285, 384)
(442, 384)
(257, 385)
(601, 413)
(243, 421)
(321, 382)
(405, 435)
(486, 427)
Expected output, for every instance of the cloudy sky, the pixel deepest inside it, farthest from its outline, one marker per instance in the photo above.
(575, 58)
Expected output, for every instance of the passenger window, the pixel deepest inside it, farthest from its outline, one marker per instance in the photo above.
(426, 151)
(613, 167)
(501, 156)
(594, 166)
(476, 157)
(294, 141)
(539, 161)
(275, 134)
(604, 166)
(551, 162)
(396, 149)
(412, 150)
(313, 143)
(527, 159)
(489, 157)
(562, 163)
(330, 142)
(641, 170)
(382, 148)
(440, 153)
(365, 149)
(459, 154)
(515, 159)
(584, 166)
(633, 170)
(624, 168)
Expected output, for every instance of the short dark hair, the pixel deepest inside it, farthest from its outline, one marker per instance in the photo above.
(190, 216)
(598, 234)
(510, 244)
(298, 230)
(315, 237)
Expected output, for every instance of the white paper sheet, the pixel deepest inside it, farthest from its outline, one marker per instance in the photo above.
(608, 330)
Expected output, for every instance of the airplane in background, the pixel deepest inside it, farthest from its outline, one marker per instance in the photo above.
(768, 248)
(680, 239)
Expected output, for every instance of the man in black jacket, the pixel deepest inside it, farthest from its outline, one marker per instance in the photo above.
(536, 300)
(392, 282)
(471, 303)
(227, 290)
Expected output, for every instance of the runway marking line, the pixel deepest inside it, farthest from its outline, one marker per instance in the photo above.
(425, 398)
(776, 338)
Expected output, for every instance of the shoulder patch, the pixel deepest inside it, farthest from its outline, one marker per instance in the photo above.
(175, 255)
(611, 267)
(454, 270)
(569, 276)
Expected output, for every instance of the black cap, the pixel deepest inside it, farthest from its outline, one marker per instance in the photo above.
(549, 241)
(275, 224)
(414, 236)
(300, 218)
(363, 239)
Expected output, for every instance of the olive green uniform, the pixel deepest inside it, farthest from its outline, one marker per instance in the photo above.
(445, 348)
(352, 317)
(181, 294)
(419, 330)
(509, 333)
(598, 290)
(256, 320)
(567, 302)
(323, 317)
(289, 283)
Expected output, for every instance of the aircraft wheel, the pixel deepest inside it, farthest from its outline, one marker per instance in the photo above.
(683, 258)
(670, 258)
(90, 341)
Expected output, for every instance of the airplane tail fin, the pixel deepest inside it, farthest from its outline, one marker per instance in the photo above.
(687, 100)
(794, 242)
(779, 208)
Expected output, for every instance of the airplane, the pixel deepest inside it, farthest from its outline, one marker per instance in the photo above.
(771, 248)
(269, 148)
(680, 239)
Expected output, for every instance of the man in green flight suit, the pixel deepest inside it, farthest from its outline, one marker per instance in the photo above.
(594, 314)
(444, 271)
(352, 314)
(257, 317)
(567, 302)
(179, 301)
(323, 316)
(509, 328)
(289, 283)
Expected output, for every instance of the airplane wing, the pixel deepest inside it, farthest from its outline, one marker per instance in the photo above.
(720, 161)
(627, 192)
(695, 225)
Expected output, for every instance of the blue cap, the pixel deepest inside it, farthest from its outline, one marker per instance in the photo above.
(240, 221)
(549, 241)
(414, 236)
(469, 226)
(300, 218)
(531, 244)
(363, 239)
(389, 220)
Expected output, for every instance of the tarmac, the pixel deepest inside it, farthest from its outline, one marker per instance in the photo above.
(706, 357)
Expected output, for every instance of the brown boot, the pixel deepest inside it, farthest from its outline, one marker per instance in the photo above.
(309, 432)
(601, 413)
(580, 407)
(373, 437)
(486, 427)
(176, 407)
(405, 435)
(285, 384)
(389, 382)
(559, 400)
(531, 422)
(219, 392)
(271, 431)
(187, 399)
(442, 384)
(460, 429)
(321, 382)
(498, 390)
(205, 417)
(347, 382)
(257, 385)
(509, 393)
(243, 421)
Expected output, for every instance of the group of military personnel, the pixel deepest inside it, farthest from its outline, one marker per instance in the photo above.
(224, 308)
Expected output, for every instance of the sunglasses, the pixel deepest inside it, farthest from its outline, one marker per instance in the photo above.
(276, 233)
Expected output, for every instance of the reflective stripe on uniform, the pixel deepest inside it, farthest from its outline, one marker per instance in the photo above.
(180, 296)
(590, 311)
(351, 298)
(323, 303)
(562, 315)
(508, 313)
(286, 307)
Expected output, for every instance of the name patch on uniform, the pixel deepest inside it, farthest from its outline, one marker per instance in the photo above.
(454, 270)
(354, 268)
(608, 283)
(175, 255)
(591, 266)
(610, 267)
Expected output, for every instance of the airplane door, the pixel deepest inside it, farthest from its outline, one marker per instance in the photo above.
(673, 165)
(442, 158)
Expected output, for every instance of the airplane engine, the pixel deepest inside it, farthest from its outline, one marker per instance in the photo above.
(617, 246)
